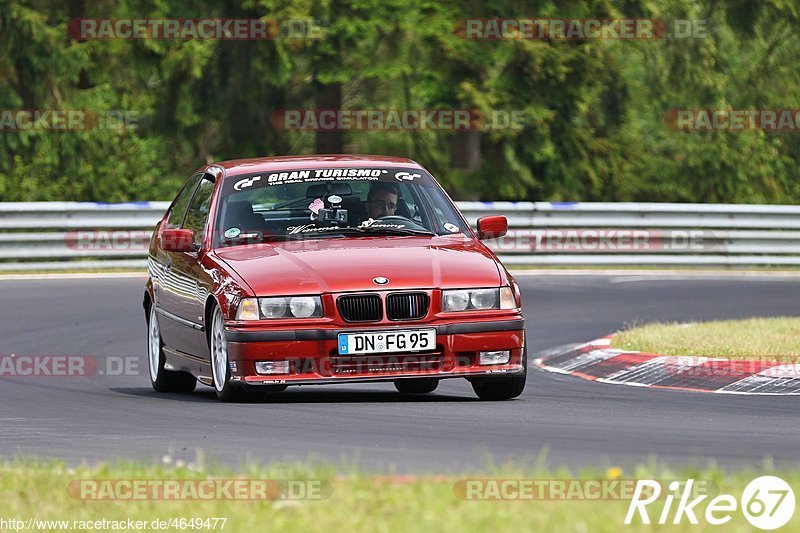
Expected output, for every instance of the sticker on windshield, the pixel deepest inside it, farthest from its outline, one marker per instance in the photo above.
(367, 224)
(246, 182)
(232, 233)
(332, 175)
(452, 228)
(406, 176)
(324, 174)
(316, 205)
(372, 223)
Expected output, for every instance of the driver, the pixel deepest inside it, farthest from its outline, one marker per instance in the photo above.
(381, 200)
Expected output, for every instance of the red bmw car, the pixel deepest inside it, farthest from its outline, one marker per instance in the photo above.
(284, 271)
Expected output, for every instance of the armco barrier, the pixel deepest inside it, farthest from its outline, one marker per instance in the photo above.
(83, 235)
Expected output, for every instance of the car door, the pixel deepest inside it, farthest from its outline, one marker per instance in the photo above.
(167, 286)
(190, 284)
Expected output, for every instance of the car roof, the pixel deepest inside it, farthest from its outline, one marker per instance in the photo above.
(237, 167)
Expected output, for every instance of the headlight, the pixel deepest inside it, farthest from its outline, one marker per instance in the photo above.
(470, 299)
(304, 306)
(483, 299)
(280, 307)
(478, 299)
(272, 307)
(455, 300)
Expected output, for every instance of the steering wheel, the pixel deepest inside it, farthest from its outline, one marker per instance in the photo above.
(407, 222)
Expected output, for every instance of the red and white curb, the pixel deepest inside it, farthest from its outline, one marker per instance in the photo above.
(597, 361)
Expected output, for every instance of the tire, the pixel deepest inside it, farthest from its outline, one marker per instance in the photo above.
(416, 386)
(505, 388)
(161, 379)
(220, 369)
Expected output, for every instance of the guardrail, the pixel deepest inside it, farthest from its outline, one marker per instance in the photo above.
(82, 235)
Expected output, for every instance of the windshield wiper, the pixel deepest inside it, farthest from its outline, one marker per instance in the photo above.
(262, 239)
(275, 238)
(391, 231)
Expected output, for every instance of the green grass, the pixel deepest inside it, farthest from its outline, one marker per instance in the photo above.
(357, 501)
(752, 338)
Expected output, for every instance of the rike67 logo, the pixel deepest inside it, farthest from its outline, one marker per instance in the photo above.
(767, 502)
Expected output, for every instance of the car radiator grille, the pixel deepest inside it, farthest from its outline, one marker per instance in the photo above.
(360, 307)
(407, 306)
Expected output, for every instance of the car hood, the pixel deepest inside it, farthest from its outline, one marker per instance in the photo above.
(341, 265)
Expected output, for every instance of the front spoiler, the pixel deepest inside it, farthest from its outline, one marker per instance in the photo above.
(267, 381)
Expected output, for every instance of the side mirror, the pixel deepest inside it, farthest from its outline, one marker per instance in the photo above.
(177, 240)
(492, 227)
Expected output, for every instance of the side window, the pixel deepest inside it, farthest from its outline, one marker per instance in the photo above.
(444, 211)
(197, 215)
(182, 202)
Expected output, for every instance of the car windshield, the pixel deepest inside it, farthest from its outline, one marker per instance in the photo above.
(333, 202)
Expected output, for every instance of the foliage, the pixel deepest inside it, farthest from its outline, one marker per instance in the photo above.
(594, 110)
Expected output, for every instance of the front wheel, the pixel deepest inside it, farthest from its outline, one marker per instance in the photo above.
(161, 379)
(220, 368)
(502, 388)
(416, 386)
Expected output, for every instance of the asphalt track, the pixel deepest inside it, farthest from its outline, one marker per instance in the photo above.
(559, 420)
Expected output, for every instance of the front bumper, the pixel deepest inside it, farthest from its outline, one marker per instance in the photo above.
(314, 359)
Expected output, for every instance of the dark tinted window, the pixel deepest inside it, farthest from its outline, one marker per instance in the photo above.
(182, 202)
(197, 215)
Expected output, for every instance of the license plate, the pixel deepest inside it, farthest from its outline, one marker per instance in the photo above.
(387, 341)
